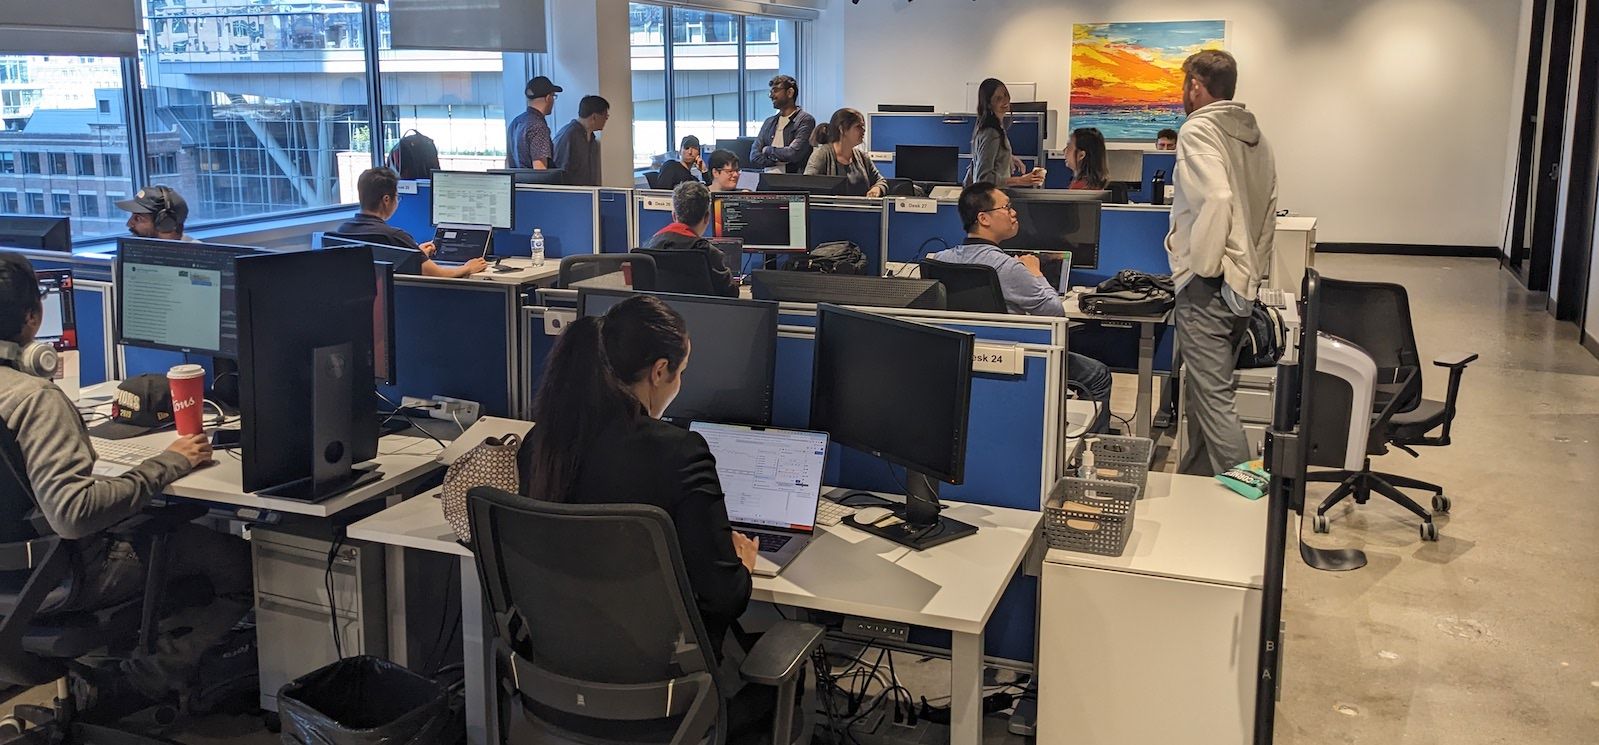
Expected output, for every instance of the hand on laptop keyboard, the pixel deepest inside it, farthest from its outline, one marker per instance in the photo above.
(746, 548)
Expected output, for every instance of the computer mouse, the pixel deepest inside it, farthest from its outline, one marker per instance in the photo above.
(871, 515)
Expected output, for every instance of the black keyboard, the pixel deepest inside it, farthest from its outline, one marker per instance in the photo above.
(771, 543)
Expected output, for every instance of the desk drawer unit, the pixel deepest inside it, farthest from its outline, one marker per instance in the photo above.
(1254, 400)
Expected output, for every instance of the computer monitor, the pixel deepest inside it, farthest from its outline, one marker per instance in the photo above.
(1038, 107)
(406, 261)
(734, 358)
(905, 108)
(900, 391)
(795, 182)
(59, 326)
(1125, 166)
(48, 233)
(177, 295)
(927, 163)
(739, 146)
(473, 198)
(1058, 221)
(383, 367)
(307, 400)
(847, 289)
(765, 222)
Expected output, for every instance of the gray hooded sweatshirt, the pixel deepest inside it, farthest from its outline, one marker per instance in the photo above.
(1223, 216)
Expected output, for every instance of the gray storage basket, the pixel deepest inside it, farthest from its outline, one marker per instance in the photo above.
(1122, 459)
(1107, 534)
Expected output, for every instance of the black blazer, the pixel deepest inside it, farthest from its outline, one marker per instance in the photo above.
(648, 461)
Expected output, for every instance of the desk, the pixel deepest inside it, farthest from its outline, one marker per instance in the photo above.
(1144, 414)
(525, 273)
(954, 587)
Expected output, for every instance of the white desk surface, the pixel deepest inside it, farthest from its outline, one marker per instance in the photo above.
(954, 586)
(525, 271)
(1297, 223)
(1192, 528)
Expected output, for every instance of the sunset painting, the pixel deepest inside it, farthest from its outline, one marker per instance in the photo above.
(1127, 78)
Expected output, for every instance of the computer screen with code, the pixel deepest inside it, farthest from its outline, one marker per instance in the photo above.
(765, 222)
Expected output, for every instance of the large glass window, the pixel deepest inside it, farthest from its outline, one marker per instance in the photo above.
(263, 102)
(648, 37)
(62, 121)
(454, 97)
(771, 48)
(705, 66)
(8, 202)
(85, 163)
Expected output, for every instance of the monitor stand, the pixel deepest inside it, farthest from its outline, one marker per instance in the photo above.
(331, 470)
(921, 526)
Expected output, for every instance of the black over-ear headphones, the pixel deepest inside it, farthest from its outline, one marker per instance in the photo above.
(165, 221)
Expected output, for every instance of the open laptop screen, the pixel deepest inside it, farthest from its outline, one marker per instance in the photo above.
(770, 477)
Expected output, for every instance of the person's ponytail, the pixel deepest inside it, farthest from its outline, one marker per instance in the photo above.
(823, 134)
(578, 397)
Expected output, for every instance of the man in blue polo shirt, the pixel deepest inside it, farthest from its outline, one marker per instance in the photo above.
(989, 219)
(527, 141)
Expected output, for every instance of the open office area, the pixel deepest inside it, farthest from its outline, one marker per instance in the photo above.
(798, 371)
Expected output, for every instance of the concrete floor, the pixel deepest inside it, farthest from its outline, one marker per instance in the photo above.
(1490, 635)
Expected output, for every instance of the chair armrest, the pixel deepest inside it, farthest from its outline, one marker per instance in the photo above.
(781, 652)
(158, 520)
(1455, 359)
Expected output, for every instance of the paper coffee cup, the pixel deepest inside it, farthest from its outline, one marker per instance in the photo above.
(188, 398)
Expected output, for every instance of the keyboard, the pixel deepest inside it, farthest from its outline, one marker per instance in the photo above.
(116, 457)
(830, 513)
(771, 542)
(1273, 297)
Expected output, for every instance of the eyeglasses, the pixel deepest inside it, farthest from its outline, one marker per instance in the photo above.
(1006, 206)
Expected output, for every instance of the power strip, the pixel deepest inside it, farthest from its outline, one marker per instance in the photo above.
(874, 629)
(446, 408)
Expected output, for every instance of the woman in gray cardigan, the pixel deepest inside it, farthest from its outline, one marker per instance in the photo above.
(992, 159)
(838, 152)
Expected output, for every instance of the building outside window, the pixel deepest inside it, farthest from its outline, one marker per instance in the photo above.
(8, 202)
(8, 162)
(36, 202)
(61, 204)
(58, 164)
(88, 205)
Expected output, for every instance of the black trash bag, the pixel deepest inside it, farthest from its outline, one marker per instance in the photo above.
(367, 701)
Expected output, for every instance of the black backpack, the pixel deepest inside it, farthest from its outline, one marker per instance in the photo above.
(1264, 338)
(414, 156)
(1130, 293)
(836, 257)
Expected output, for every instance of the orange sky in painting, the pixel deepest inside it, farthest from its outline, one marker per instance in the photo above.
(1105, 73)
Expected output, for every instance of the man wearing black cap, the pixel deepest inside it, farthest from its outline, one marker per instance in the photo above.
(675, 172)
(527, 140)
(47, 480)
(157, 211)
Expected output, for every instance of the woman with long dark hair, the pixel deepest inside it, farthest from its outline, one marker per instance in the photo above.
(839, 153)
(599, 440)
(992, 158)
(1085, 155)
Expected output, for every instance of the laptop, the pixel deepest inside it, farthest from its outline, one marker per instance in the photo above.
(1056, 265)
(772, 482)
(458, 244)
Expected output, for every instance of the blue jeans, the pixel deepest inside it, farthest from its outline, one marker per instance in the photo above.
(1092, 377)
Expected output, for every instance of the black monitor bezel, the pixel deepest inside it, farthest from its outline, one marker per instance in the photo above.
(116, 318)
(433, 216)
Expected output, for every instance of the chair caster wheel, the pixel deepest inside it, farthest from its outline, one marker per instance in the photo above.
(1441, 504)
(12, 726)
(1319, 524)
(1429, 532)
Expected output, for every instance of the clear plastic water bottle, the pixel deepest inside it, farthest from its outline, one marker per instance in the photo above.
(536, 247)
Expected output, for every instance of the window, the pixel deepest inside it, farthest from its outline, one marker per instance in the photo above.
(648, 37)
(265, 101)
(85, 163)
(32, 162)
(58, 164)
(454, 97)
(705, 64)
(8, 162)
(165, 164)
(8, 203)
(36, 202)
(770, 49)
(113, 165)
(61, 203)
(88, 205)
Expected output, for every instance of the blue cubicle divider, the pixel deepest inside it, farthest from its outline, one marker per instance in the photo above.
(569, 217)
(89, 306)
(616, 221)
(142, 360)
(1129, 238)
(1165, 162)
(829, 221)
(454, 339)
(650, 222)
(912, 235)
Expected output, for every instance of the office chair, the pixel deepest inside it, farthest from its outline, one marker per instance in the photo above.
(686, 272)
(968, 287)
(652, 178)
(36, 648)
(585, 267)
(1376, 317)
(598, 638)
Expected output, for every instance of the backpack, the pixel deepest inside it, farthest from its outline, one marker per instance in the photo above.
(414, 156)
(1130, 293)
(1264, 338)
(836, 257)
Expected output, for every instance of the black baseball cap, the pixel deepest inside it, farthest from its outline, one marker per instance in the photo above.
(540, 87)
(143, 404)
(153, 199)
(690, 141)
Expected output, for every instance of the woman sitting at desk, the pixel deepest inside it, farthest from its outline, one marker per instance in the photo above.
(992, 158)
(1085, 155)
(839, 153)
(599, 440)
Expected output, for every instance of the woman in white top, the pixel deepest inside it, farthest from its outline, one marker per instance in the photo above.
(839, 153)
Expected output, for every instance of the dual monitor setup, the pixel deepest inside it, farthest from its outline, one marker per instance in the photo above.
(312, 333)
(892, 389)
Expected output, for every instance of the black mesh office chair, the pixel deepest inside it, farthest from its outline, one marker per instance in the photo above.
(585, 267)
(969, 287)
(686, 272)
(36, 649)
(652, 178)
(1376, 317)
(598, 638)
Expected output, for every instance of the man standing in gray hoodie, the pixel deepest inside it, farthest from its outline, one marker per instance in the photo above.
(1222, 223)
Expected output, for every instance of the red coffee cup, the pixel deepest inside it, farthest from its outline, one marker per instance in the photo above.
(188, 398)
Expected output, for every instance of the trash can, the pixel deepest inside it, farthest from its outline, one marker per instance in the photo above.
(367, 701)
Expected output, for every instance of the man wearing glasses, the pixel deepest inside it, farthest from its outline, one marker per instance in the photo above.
(724, 171)
(527, 139)
(989, 219)
(577, 150)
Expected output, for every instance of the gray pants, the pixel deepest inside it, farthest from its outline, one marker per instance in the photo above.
(1209, 335)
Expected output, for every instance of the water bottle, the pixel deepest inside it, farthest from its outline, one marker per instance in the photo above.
(536, 247)
(1157, 188)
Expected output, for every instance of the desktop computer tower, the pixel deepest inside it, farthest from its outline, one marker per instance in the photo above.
(294, 618)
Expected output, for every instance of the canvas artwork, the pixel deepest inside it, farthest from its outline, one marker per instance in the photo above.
(1127, 78)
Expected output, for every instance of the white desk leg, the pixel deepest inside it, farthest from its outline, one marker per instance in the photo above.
(1144, 417)
(482, 721)
(966, 689)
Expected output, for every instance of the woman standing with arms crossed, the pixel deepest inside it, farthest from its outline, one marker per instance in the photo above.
(992, 158)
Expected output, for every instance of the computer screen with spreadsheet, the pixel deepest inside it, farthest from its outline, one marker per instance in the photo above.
(770, 477)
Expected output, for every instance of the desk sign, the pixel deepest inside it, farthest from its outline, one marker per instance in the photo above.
(657, 204)
(880, 156)
(914, 204)
(405, 187)
(1001, 359)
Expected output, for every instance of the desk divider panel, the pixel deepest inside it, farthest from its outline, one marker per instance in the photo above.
(911, 235)
(458, 339)
(1156, 161)
(568, 215)
(93, 303)
(652, 210)
(854, 219)
(616, 221)
(885, 130)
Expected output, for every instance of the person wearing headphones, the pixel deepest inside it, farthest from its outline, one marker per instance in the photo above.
(157, 212)
(48, 485)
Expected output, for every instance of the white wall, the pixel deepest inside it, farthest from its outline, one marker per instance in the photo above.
(1390, 118)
